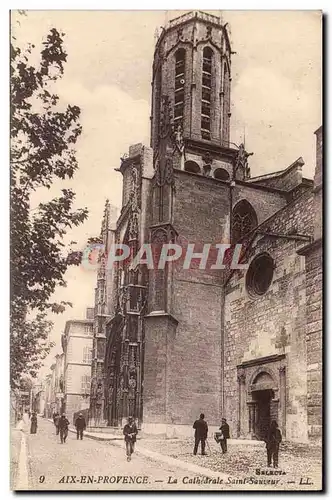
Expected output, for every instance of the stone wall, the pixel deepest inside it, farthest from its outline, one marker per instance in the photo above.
(287, 180)
(73, 404)
(314, 277)
(274, 323)
(265, 202)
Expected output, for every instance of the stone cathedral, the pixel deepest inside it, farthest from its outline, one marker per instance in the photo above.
(243, 344)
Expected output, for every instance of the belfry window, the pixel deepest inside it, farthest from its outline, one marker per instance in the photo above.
(206, 93)
(192, 166)
(221, 174)
(244, 220)
(180, 61)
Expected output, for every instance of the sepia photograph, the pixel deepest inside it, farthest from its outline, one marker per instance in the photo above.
(166, 250)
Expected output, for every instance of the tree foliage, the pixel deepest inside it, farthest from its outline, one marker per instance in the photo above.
(43, 139)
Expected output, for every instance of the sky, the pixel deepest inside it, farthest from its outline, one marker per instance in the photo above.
(276, 102)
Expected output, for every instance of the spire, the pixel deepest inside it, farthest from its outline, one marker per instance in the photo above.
(106, 217)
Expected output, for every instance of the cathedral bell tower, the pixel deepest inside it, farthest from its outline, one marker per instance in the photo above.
(194, 171)
(192, 67)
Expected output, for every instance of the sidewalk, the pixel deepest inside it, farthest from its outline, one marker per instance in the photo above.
(141, 451)
(106, 436)
(167, 459)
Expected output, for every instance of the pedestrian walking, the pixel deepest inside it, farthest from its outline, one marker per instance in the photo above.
(80, 425)
(63, 428)
(56, 418)
(224, 428)
(33, 426)
(201, 432)
(273, 441)
(130, 432)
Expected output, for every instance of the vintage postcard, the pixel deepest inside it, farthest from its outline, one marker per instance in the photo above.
(166, 250)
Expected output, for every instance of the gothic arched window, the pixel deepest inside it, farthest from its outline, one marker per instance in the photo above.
(180, 63)
(206, 93)
(244, 219)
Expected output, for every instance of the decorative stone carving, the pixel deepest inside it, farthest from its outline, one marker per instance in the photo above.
(110, 395)
(166, 117)
(124, 157)
(169, 172)
(178, 138)
(121, 383)
(164, 173)
(133, 226)
(134, 190)
(207, 158)
(241, 161)
(282, 370)
(99, 394)
(208, 31)
(207, 170)
(159, 236)
(93, 387)
(132, 386)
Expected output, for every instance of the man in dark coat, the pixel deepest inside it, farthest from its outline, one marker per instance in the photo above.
(130, 432)
(201, 432)
(273, 441)
(80, 425)
(33, 427)
(63, 428)
(224, 435)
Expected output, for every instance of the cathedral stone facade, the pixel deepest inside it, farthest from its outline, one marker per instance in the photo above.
(171, 343)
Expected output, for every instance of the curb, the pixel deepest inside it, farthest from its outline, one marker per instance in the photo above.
(144, 452)
(108, 437)
(196, 469)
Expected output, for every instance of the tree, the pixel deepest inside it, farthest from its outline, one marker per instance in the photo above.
(43, 139)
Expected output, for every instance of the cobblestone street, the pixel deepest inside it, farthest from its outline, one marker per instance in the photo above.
(102, 465)
(242, 460)
(49, 462)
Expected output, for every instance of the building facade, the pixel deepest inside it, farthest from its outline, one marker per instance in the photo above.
(171, 342)
(77, 346)
(53, 387)
(38, 398)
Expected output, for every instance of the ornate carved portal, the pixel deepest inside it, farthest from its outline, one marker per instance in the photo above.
(261, 396)
(123, 361)
(112, 383)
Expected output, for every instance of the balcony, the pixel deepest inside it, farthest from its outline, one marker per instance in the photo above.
(191, 15)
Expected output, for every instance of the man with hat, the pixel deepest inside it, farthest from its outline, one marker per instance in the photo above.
(224, 435)
(201, 432)
(80, 425)
(63, 427)
(130, 432)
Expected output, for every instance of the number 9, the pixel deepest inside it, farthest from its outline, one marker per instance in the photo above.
(41, 479)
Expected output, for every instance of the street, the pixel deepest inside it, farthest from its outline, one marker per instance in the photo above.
(88, 465)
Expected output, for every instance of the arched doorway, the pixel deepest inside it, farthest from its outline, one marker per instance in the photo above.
(262, 406)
